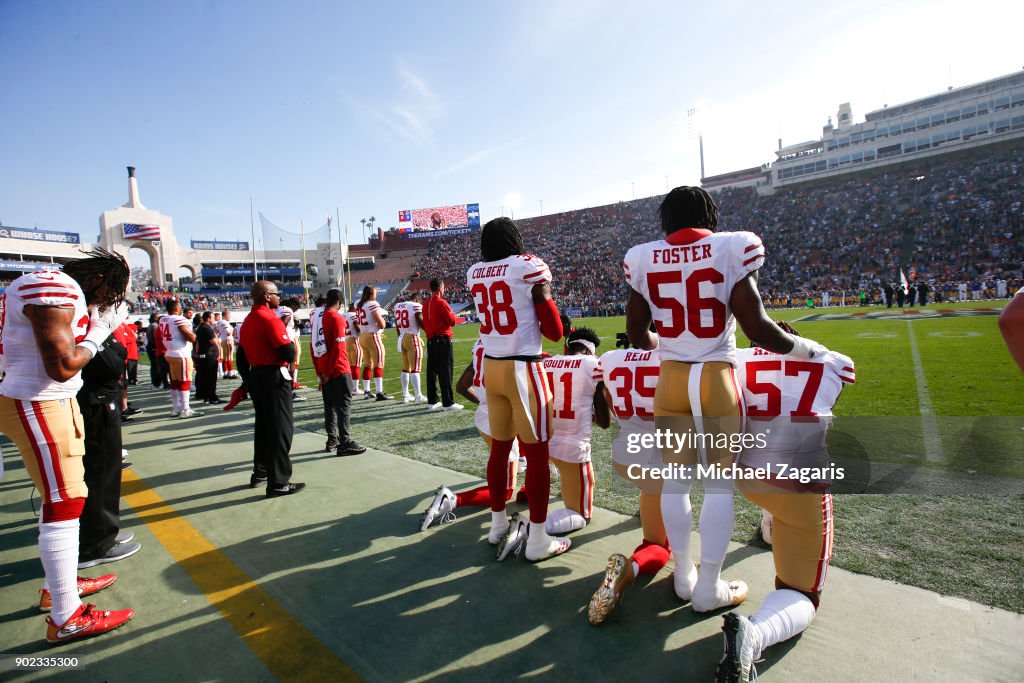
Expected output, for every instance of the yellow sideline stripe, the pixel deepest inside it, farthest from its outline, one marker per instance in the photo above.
(284, 645)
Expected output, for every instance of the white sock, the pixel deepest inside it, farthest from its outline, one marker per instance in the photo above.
(58, 551)
(564, 520)
(716, 524)
(184, 402)
(175, 400)
(782, 615)
(405, 384)
(678, 518)
(499, 525)
(379, 383)
(220, 369)
(366, 385)
(415, 376)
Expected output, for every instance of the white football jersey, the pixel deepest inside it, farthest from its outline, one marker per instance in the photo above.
(225, 330)
(574, 381)
(405, 317)
(318, 342)
(481, 416)
(631, 376)
(26, 377)
(367, 321)
(779, 386)
(175, 343)
(351, 322)
(687, 279)
(503, 294)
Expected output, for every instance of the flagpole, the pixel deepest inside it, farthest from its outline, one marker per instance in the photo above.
(341, 252)
(302, 246)
(348, 264)
(252, 229)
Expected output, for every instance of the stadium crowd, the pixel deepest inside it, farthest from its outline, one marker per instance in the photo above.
(955, 221)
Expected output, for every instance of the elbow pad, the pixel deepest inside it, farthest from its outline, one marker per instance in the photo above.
(550, 321)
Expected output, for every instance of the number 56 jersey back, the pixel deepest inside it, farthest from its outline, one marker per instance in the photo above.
(687, 279)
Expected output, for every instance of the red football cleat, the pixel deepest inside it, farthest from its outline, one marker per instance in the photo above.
(87, 622)
(86, 586)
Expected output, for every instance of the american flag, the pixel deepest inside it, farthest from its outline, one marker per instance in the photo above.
(133, 231)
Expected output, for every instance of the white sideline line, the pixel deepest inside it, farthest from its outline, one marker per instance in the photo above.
(932, 440)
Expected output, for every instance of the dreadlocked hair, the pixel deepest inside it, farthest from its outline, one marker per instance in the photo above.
(500, 239)
(688, 207)
(584, 333)
(367, 295)
(100, 269)
(786, 327)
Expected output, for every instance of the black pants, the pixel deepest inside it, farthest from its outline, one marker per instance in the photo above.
(440, 368)
(337, 396)
(133, 371)
(272, 400)
(206, 377)
(164, 374)
(101, 516)
(154, 369)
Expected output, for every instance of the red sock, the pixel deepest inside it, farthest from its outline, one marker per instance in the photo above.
(497, 473)
(366, 372)
(651, 557)
(479, 497)
(355, 374)
(175, 385)
(185, 386)
(538, 479)
(378, 372)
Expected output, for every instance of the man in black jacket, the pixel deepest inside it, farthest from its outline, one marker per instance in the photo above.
(207, 350)
(100, 538)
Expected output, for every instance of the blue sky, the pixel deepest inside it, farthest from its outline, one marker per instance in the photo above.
(373, 108)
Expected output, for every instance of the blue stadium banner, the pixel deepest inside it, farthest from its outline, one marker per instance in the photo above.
(40, 235)
(225, 246)
(473, 215)
(573, 312)
(27, 266)
(430, 234)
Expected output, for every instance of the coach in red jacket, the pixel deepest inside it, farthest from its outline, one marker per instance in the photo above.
(335, 376)
(437, 323)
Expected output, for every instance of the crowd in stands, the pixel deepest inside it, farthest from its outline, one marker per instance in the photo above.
(954, 220)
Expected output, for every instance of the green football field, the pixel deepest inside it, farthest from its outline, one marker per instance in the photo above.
(935, 393)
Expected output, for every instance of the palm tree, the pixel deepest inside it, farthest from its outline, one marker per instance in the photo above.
(363, 221)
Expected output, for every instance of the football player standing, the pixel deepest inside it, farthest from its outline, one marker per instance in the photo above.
(696, 284)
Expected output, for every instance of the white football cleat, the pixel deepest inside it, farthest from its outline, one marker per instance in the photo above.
(727, 594)
(514, 538)
(440, 508)
(407, 399)
(741, 645)
(421, 399)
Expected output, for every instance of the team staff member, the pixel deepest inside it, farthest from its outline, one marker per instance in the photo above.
(264, 354)
(437, 323)
(332, 368)
(49, 335)
(207, 348)
(155, 349)
(99, 400)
